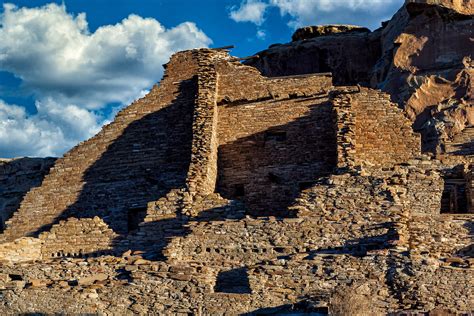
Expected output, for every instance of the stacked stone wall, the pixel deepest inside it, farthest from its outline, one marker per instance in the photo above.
(136, 159)
(17, 177)
(202, 172)
(275, 136)
(77, 238)
(373, 131)
(344, 215)
(21, 250)
(443, 236)
(373, 227)
(243, 84)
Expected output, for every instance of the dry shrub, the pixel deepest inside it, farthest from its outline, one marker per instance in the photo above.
(441, 312)
(347, 302)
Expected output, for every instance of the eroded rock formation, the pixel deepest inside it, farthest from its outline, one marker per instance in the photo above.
(422, 57)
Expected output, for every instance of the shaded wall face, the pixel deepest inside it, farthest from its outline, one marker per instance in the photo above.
(269, 151)
(17, 177)
(149, 159)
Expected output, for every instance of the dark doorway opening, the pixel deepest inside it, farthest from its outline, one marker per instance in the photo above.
(454, 198)
(239, 190)
(136, 215)
(233, 281)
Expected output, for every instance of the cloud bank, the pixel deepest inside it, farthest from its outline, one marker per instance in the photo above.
(73, 72)
(310, 12)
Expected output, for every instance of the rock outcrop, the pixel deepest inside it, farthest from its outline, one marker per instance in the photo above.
(348, 55)
(308, 32)
(426, 67)
(422, 57)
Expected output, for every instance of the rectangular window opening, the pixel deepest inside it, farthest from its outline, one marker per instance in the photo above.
(277, 136)
(239, 190)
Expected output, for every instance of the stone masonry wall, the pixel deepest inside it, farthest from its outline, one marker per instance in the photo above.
(202, 172)
(239, 83)
(343, 215)
(77, 238)
(371, 227)
(373, 131)
(17, 177)
(275, 136)
(136, 159)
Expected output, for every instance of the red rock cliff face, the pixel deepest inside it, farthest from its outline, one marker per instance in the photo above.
(422, 57)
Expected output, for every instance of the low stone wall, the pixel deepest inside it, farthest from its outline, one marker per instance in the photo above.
(78, 238)
(21, 250)
(443, 236)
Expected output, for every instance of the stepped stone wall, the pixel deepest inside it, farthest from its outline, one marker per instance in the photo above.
(136, 159)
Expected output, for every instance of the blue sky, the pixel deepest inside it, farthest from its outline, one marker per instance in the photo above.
(66, 67)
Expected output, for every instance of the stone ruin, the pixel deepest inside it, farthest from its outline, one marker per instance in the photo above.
(223, 190)
(227, 192)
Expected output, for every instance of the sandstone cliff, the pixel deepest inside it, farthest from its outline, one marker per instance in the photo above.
(422, 57)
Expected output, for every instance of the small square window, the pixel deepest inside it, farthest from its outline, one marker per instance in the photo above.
(277, 136)
(305, 185)
(239, 190)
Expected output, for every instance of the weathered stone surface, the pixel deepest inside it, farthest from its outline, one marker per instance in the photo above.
(426, 67)
(333, 53)
(308, 32)
(17, 177)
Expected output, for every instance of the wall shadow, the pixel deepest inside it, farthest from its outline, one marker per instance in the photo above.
(304, 307)
(359, 247)
(465, 149)
(150, 158)
(468, 251)
(268, 170)
(233, 281)
(17, 178)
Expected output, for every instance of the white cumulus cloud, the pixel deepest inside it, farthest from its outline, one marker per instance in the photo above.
(360, 12)
(310, 12)
(249, 11)
(72, 71)
(52, 130)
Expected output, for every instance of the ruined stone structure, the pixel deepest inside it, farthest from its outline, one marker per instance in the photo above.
(227, 192)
